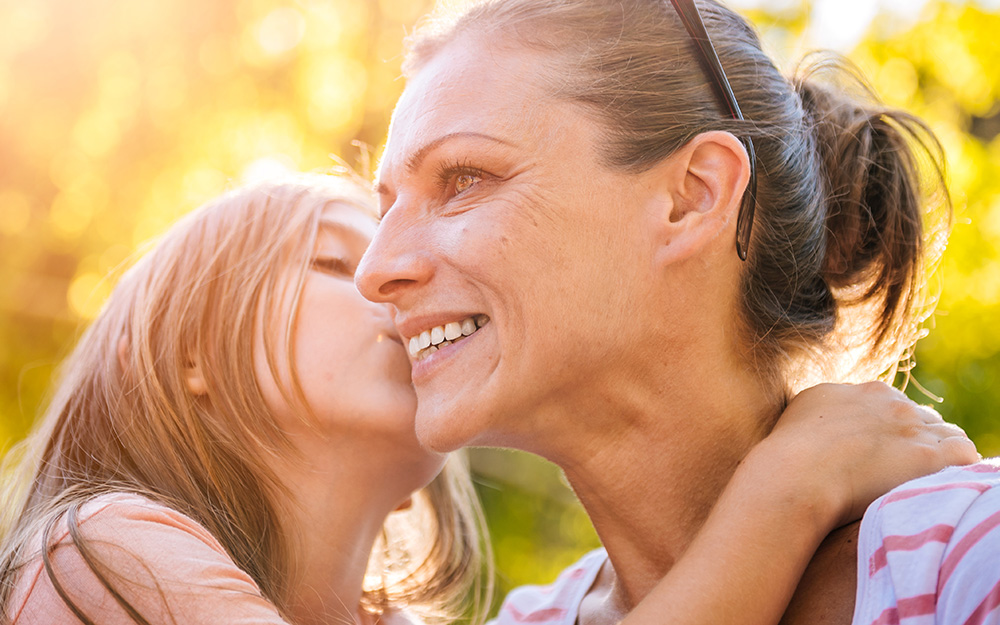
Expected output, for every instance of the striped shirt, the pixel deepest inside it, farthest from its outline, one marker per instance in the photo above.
(929, 551)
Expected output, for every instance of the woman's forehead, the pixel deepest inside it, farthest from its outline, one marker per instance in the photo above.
(471, 88)
(468, 79)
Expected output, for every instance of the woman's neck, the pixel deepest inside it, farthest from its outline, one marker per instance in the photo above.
(649, 477)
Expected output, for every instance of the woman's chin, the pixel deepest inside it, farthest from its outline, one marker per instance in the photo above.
(444, 428)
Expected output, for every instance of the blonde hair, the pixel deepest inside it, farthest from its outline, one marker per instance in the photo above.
(123, 419)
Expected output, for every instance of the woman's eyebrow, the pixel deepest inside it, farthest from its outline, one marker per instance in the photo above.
(414, 161)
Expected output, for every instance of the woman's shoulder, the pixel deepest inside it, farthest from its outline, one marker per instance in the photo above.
(557, 603)
(159, 560)
(937, 509)
(930, 547)
(944, 496)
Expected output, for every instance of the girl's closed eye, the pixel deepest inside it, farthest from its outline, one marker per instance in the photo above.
(334, 265)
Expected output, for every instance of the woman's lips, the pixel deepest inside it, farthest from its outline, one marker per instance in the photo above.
(432, 339)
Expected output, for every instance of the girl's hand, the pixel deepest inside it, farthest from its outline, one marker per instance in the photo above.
(842, 446)
(834, 450)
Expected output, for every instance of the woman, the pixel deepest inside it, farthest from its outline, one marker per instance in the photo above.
(572, 176)
(231, 436)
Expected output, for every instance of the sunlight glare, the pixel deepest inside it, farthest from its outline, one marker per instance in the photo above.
(840, 24)
(281, 30)
(267, 167)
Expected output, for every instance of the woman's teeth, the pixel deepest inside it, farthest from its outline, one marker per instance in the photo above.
(429, 341)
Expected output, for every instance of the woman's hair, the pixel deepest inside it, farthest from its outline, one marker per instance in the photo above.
(123, 419)
(845, 232)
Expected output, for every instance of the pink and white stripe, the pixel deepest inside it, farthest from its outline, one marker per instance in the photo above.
(929, 551)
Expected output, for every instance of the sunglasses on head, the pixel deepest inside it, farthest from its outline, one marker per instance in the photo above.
(688, 12)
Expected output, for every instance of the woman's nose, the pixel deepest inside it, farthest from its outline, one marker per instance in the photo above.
(396, 262)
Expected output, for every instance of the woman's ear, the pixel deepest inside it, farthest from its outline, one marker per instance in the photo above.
(705, 181)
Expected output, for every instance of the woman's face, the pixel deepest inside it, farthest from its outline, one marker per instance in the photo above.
(496, 209)
(350, 360)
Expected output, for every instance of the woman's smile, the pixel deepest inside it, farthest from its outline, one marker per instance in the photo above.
(440, 336)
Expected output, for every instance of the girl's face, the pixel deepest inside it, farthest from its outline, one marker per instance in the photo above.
(350, 360)
(497, 209)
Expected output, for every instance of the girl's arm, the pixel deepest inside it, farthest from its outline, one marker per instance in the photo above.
(835, 449)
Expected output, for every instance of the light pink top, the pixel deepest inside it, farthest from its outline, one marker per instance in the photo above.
(172, 571)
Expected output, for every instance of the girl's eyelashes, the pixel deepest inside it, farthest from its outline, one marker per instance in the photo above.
(334, 266)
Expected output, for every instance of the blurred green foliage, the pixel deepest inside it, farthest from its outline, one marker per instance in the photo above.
(116, 117)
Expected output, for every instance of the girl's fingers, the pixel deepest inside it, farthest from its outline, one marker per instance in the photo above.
(943, 430)
(929, 415)
(952, 443)
(959, 450)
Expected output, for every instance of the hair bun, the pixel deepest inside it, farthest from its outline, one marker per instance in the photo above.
(876, 214)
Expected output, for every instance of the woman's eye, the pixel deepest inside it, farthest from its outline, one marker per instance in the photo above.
(464, 182)
(458, 178)
(331, 265)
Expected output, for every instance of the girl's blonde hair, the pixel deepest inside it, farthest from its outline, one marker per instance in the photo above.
(122, 417)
